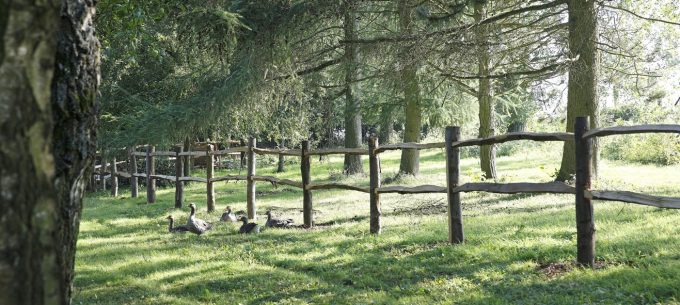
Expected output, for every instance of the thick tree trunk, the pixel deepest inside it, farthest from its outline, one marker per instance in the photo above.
(49, 125)
(75, 106)
(409, 79)
(30, 267)
(352, 105)
(386, 122)
(582, 88)
(487, 153)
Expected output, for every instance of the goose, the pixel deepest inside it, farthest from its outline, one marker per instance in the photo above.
(277, 222)
(177, 229)
(228, 215)
(248, 227)
(196, 225)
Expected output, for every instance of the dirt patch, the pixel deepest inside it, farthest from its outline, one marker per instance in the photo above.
(428, 207)
(553, 270)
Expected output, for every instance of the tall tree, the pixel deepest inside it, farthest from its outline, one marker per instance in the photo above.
(47, 121)
(582, 87)
(74, 111)
(411, 89)
(352, 105)
(29, 225)
(487, 153)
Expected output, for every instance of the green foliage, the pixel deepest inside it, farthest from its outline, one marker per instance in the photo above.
(647, 149)
(660, 149)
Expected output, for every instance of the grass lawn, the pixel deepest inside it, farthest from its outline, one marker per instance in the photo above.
(519, 250)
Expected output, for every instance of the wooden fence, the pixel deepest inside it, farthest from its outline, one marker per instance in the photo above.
(583, 194)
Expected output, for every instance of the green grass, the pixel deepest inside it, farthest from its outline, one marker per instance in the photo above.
(126, 256)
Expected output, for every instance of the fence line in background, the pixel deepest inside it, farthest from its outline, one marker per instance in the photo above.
(583, 194)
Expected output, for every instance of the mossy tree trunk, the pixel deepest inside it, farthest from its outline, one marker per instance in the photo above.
(75, 105)
(48, 120)
(352, 104)
(29, 225)
(386, 122)
(411, 90)
(582, 88)
(487, 153)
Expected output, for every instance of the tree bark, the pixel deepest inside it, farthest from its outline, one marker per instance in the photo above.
(352, 105)
(29, 225)
(487, 153)
(386, 121)
(282, 160)
(75, 108)
(409, 79)
(47, 119)
(582, 88)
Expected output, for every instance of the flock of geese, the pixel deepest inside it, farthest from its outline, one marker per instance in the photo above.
(200, 226)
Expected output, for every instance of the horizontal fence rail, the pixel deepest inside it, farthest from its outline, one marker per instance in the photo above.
(582, 138)
(516, 136)
(632, 197)
(622, 130)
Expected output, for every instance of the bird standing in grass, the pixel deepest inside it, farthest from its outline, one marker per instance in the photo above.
(196, 225)
(228, 215)
(247, 227)
(177, 229)
(278, 222)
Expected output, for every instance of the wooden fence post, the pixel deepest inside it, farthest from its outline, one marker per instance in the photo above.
(306, 180)
(114, 178)
(134, 185)
(150, 170)
(250, 187)
(456, 234)
(179, 172)
(374, 167)
(210, 169)
(585, 224)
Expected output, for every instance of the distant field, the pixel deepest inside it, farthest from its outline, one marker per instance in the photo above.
(519, 248)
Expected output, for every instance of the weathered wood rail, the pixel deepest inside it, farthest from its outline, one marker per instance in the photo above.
(582, 138)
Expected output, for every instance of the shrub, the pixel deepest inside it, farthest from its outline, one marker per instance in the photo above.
(660, 149)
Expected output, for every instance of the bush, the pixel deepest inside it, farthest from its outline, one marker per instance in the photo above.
(657, 149)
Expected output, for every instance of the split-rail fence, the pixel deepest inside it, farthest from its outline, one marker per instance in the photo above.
(582, 137)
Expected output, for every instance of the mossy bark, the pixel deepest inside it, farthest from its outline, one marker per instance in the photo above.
(409, 79)
(30, 270)
(48, 89)
(487, 153)
(386, 121)
(352, 104)
(582, 88)
(74, 111)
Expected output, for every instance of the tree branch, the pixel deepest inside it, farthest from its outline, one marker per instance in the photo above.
(459, 28)
(318, 68)
(641, 17)
(549, 68)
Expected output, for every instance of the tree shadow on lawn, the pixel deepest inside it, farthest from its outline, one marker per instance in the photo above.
(377, 270)
(386, 269)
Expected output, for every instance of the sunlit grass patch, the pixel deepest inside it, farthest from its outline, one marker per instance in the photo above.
(126, 256)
